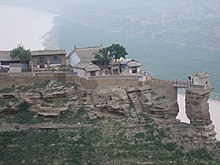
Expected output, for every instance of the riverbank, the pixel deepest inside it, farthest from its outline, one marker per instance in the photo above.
(26, 26)
(213, 109)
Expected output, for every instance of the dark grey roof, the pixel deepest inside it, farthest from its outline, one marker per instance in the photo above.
(47, 52)
(5, 56)
(88, 66)
(134, 64)
(131, 63)
(87, 53)
(201, 75)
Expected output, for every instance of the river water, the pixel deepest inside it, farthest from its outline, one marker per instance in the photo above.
(21, 25)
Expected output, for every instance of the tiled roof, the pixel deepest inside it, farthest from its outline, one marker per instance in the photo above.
(88, 66)
(47, 52)
(5, 56)
(87, 53)
(202, 75)
(134, 64)
(131, 63)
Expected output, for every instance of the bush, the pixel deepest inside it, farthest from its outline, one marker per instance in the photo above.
(199, 153)
(24, 106)
(170, 146)
(24, 117)
(7, 90)
(139, 135)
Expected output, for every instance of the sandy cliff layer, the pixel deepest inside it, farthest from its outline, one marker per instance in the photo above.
(133, 104)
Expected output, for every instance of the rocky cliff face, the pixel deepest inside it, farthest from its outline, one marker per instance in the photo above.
(201, 132)
(197, 107)
(129, 104)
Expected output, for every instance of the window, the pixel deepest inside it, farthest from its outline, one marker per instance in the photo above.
(92, 73)
(5, 63)
(134, 69)
(55, 60)
(42, 62)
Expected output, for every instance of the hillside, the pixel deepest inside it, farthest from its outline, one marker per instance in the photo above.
(59, 123)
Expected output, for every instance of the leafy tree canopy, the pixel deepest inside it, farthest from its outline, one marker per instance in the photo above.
(21, 53)
(102, 55)
(115, 51)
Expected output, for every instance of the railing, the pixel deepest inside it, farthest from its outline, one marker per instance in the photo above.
(48, 73)
(38, 74)
(162, 81)
(22, 74)
(112, 77)
(181, 84)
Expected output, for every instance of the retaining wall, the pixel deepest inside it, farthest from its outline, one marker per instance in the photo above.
(164, 88)
(160, 87)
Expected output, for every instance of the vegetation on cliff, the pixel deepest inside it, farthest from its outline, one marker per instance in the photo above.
(81, 137)
(103, 141)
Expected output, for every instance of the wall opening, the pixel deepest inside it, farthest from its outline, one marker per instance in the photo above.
(181, 102)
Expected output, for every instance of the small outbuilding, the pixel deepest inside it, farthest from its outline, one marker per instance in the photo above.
(130, 66)
(200, 79)
(83, 54)
(86, 69)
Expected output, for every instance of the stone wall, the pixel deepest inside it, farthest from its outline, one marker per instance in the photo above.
(123, 81)
(164, 88)
(11, 79)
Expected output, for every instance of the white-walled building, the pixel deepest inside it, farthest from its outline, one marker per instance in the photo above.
(200, 79)
(130, 66)
(86, 69)
(83, 54)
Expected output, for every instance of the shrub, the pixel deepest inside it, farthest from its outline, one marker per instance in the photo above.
(170, 146)
(139, 135)
(7, 90)
(199, 153)
(24, 106)
(24, 117)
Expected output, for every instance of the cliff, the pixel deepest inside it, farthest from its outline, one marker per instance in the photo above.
(120, 117)
(152, 100)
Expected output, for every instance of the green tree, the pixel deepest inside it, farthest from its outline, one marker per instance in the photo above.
(103, 56)
(21, 53)
(117, 51)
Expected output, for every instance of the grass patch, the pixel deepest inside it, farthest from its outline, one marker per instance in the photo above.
(23, 117)
(159, 98)
(7, 90)
(80, 116)
(103, 144)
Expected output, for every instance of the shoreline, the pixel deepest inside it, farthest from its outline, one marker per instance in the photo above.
(213, 109)
(22, 25)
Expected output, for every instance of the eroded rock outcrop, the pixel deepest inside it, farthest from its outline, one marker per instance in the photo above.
(130, 103)
(201, 132)
(197, 106)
